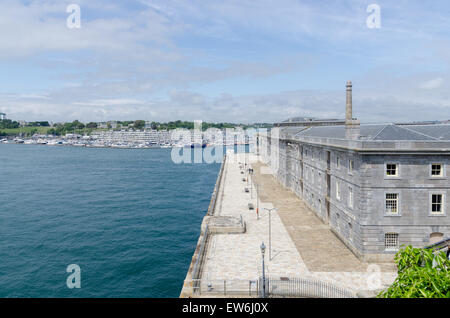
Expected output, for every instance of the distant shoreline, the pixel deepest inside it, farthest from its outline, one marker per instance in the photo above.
(116, 147)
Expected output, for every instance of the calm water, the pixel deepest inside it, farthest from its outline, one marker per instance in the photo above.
(130, 218)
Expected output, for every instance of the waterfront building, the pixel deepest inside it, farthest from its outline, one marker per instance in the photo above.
(378, 186)
(152, 137)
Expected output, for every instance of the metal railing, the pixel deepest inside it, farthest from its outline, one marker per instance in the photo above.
(305, 288)
(274, 287)
(233, 287)
(441, 245)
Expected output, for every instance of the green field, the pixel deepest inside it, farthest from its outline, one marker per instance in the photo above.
(25, 130)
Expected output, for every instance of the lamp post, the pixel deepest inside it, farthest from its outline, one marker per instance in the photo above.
(263, 250)
(270, 232)
(250, 173)
(257, 202)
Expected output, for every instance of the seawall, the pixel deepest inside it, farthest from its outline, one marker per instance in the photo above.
(197, 259)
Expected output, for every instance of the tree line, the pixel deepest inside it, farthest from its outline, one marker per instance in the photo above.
(76, 126)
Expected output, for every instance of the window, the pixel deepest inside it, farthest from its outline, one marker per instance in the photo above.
(437, 204)
(350, 166)
(350, 197)
(391, 170)
(337, 162)
(436, 237)
(391, 241)
(436, 170)
(392, 203)
(338, 193)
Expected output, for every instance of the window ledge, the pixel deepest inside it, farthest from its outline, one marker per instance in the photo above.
(392, 214)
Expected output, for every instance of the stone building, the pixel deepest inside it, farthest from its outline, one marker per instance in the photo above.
(378, 186)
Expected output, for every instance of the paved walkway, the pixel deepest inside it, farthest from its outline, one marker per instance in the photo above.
(238, 256)
(302, 245)
(321, 250)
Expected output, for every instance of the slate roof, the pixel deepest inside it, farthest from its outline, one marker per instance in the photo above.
(383, 132)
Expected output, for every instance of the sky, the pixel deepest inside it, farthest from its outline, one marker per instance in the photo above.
(241, 61)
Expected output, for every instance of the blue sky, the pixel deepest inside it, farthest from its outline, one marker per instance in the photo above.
(229, 60)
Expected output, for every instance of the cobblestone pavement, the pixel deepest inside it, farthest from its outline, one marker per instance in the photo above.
(301, 244)
(321, 250)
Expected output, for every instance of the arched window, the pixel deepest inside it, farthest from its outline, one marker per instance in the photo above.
(436, 237)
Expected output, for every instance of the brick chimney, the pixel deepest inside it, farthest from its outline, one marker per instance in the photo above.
(352, 126)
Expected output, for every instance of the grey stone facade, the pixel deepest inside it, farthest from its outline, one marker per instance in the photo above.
(346, 183)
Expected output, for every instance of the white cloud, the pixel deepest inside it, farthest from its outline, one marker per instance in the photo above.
(128, 63)
(432, 84)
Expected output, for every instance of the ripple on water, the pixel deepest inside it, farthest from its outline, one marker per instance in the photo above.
(129, 218)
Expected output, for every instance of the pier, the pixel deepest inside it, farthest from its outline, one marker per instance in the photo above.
(303, 257)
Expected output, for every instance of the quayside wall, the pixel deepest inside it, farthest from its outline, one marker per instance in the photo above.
(195, 268)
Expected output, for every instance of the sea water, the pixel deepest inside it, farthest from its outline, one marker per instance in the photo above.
(129, 218)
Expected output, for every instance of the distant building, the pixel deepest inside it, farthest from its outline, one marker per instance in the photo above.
(377, 186)
(73, 136)
(2, 116)
(113, 124)
(152, 137)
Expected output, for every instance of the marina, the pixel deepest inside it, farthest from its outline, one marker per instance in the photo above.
(141, 139)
